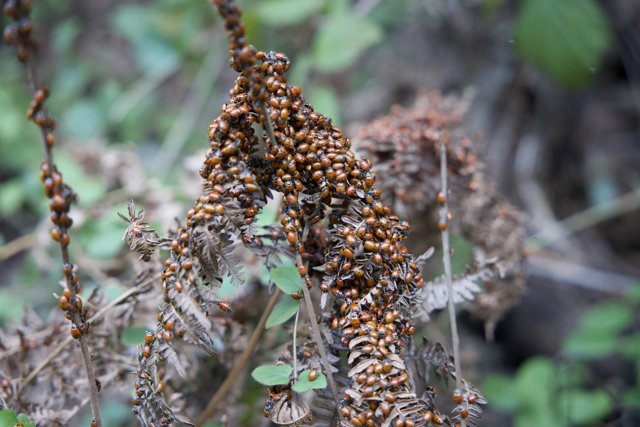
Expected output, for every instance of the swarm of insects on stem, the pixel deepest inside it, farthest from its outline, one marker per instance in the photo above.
(369, 280)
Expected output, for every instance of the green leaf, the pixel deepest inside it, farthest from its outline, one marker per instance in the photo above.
(287, 279)
(630, 347)
(607, 319)
(89, 188)
(272, 374)
(535, 381)
(501, 392)
(12, 304)
(285, 310)
(587, 406)
(12, 194)
(325, 101)
(566, 38)
(341, 40)
(7, 418)
(103, 237)
(133, 335)
(633, 294)
(26, 422)
(83, 119)
(631, 398)
(588, 346)
(536, 417)
(287, 12)
(303, 383)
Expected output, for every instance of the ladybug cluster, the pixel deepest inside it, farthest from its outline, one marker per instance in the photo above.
(19, 32)
(363, 265)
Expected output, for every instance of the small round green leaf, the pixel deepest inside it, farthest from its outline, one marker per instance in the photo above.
(287, 279)
(285, 310)
(304, 384)
(609, 318)
(341, 40)
(272, 374)
(287, 12)
(8, 418)
(501, 392)
(588, 406)
(26, 422)
(587, 346)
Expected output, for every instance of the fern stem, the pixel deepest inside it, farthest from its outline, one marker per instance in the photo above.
(295, 352)
(446, 258)
(64, 254)
(319, 342)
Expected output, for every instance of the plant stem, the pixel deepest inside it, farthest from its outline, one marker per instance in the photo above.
(66, 259)
(295, 352)
(17, 245)
(446, 258)
(317, 336)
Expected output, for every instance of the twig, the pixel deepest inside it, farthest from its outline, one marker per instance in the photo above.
(242, 361)
(584, 219)
(88, 368)
(97, 316)
(446, 257)
(317, 336)
(71, 285)
(571, 273)
(295, 355)
(17, 245)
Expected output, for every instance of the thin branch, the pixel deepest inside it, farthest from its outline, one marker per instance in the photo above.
(64, 253)
(446, 257)
(17, 245)
(571, 273)
(584, 219)
(239, 366)
(317, 336)
(295, 353)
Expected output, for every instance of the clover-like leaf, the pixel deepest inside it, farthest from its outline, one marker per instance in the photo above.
(287, 279)
(305, 384)
(272, 374)
(282, 312)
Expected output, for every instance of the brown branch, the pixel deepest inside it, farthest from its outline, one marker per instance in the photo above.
(76, 316)
(244, 358)
(17, 245)
(317, 336)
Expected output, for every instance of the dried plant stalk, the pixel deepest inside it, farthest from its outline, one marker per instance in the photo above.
(61, 195)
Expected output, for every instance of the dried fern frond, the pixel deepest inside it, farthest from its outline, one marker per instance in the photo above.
(404, 148)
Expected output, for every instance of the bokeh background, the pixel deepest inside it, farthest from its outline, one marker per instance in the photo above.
(554, 90)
